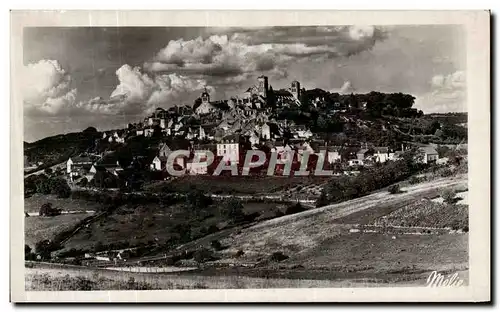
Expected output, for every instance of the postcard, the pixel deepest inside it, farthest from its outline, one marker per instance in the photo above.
(250, 156)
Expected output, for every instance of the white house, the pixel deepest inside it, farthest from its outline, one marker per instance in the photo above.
(77, 166)
(229, 149)
(265, 132)
(355, 162)
(429, 154)
(332, 154)
(381, 154)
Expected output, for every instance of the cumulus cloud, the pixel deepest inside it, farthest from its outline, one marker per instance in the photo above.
(138, 92)
(346, 88)
(242, 52)
(448, 94)
(46, 88)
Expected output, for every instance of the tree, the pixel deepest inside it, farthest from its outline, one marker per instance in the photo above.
(90, 130)
(203, 255)
(232, 209)
(83, 182)
(271, 98)
(197, 103)
(394, 189)
(44, 248)
(295, 208)
(46, 210)
(27, 252)
(448, 196)
(196, 200)
(60, 187)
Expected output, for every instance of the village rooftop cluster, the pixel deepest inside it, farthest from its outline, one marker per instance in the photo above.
(242, 136)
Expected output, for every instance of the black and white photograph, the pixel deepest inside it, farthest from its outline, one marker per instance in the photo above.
(247, 157)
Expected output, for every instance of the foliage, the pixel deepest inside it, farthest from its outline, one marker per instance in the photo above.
(203, 255)
(448, 196)
(216, 245)
(232, 209)
(394, 189)
(278, 256)
(294, 208)
(44, 248)
(196, 200)
(346, 188)
(46, 210)
(45, 185)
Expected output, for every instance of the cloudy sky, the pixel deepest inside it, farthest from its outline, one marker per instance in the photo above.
(107, 77)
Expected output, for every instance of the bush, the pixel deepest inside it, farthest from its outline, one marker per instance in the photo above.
(216, 245)
(44, 249)
(394, 189)
(47, 211)
(232, 209)
(295, 208)
(202, 255)
(415, 180)
(448, 196)
(239, 253)
(278, 256)
(446, 173)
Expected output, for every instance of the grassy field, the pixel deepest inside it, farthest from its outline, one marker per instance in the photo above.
(429, 214)
(72, 278)
(33, 203)
(42, 228)
(301, 236)
(234, 185)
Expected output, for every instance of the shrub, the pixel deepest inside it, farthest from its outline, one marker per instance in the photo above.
(239, 253)
(44, 248)
(99, 246)
(295, 208)
(446, 172)
(414, 180)
(448, 196)
(278, 256)
(46, 210)
(202, 255)
(216, 245)
(394, 189)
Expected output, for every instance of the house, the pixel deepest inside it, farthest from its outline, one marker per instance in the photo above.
(429, 153)
(285, 151)
(229, 148)
(362, 153)
(332, 153)
(381, 154)
(254, 138)
(78, 166)
(164, 150)
(355, 162)
(205, 107)
(119, 136)
(159, 163)
(265, 132)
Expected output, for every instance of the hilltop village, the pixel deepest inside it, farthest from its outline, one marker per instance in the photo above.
(346, 129)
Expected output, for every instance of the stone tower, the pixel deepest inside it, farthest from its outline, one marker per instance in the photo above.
(263, 86)
(205, 97)
(295, 89)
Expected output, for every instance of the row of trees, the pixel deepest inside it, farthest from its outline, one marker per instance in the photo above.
(46, 185)
(346, 188)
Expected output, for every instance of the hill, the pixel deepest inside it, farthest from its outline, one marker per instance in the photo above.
(55, 149)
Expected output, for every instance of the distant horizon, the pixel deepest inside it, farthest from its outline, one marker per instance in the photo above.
(115, 128)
